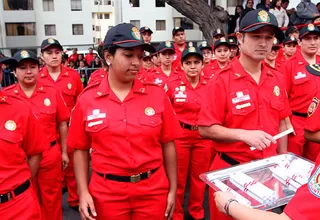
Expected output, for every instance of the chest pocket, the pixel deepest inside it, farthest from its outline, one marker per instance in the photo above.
(10, 146)
(277, 104)
(300, 78)
(150, 125)
(69, 92)
(242, 104)
(96, 126)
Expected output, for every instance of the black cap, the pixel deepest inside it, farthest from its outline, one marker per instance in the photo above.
(221, 41)
(163, 46)
(191, 51)
(176, 30)
(205, 45)
(233, 42)
(314, 69)
(145, 29)
(289, 40)
(276, 43)
(126, 36)
(147, 54)
(259, 18)
(309, 29)
(218, 32)
(290, 30)
(50, 42)
(19, 56)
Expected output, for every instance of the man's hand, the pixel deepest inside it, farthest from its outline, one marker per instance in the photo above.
(65, 160)
(171, 203)
(257, 139)
(86, 207)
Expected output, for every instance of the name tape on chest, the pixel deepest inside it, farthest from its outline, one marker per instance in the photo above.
(240, 97)
(96, 114)
(245, 105)
(93, 123)
(300, 75)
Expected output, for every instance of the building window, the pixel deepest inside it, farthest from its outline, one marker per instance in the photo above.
(107, 2)
(160, 25)
(92, 15)
(77, 29)
(20, 29)
(50, 29)
(94, 40)
(134, 3)
(93, 27)
(160, 3)
(106, 16)
(100, 16)
(76, 5)
(12, 5)
(98, 28)
(48, 5)
(135, 23)
(185, 23)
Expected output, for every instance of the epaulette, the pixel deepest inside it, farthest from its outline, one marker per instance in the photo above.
(90, 86)
(8, 88)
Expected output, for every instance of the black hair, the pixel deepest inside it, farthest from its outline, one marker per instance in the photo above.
(236, 14)
(111, 49)
(274, 3)
(284, 1)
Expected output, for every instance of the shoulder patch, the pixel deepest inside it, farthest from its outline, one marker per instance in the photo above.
(313, 106)
(314, 183)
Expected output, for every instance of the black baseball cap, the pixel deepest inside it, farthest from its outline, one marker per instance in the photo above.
(218, 32)
(147, 54)
(259, 18)
(18, 57)
(163, 46)
(221, 41)
(176, 30)
(50, 42)
(314, 69)
(289, 40)
(125, 35)
(145, 29)
(191, 51)
(309, 29)
(205, 45)
(233, 42)
(290, 30)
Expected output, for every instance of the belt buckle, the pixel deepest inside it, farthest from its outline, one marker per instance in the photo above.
(194, 127)
(135, 178)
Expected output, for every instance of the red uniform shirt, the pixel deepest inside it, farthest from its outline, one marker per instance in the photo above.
(235, 100)
(306, 202)
(47, 104)
(125, 136)
(301, 85)
(20, 138)
(97, 76)
(186, 100)
(73, 57)
(88, 58)
(161, 79)
(178, 56)
(68, 83)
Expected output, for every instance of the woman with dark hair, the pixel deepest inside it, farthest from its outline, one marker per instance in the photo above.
(233, 19)
(280, 13)
(249, 7)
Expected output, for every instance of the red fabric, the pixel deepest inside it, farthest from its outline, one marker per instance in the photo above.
(159, 78)
(178, 56)
(73, 57)
(210, 70)
(235, 100)
(144, 200)
(20, 139)
(298, 210)
(24, 206)
(68, 83)
(88, 58)
(134, 128)
(97, 76)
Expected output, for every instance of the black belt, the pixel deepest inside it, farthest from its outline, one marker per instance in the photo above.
(189, 127)
(305, 115)
(17, 191)
(52, 143)
(132, 179)
(228, 159)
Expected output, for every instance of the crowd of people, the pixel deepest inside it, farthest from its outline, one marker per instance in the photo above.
(152, 117)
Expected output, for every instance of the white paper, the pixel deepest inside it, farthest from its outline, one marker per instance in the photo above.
(282, 174)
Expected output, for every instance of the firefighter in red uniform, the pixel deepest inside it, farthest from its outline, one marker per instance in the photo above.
(246, 104)
(68, 82)
(301, 88)
(289, 47)
(146, 33)
(179, 38)
(21, 144)
(271, 58)
(147, 63)
(47, 104)
(130, 126)
(221, 53)
(89, 56)
(208, 69)
(234, 48)
(186, 95)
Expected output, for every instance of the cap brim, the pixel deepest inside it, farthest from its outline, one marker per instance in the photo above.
(146, 47)
(51, 45)
(8, 61)
(218, 34)
(177, 30)
(222, 43)
(190, 54)
(309, 32)
(313, 70)
(277, 31)
(164, 49)
(147, 31)
(207, 47)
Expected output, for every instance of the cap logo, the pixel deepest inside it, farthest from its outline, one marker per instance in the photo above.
(192, 49)
(263, 16)
(218, 31)
(146, 28)
(24, 54)
(177, 28)
(51, 41)
(135, 33)
(275, 41)
(147, 53)
(292, 38)
(204, 44)
(311, 27)
(190, 44)
(222, 39)
(231, 41)
(168, 44)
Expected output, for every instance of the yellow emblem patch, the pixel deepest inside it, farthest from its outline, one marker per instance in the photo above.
(149, 111)
(47, 102)
(10, 125)
(276, 91)
(313, 106)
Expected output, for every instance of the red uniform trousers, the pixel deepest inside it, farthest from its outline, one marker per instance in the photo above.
(24, 206)
(193, 155)
(297, 144)
(70, 181)
(47, 184)
(143, 200)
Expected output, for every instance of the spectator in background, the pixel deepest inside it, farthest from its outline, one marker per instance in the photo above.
(74, 56)
(8, 77)
(90, 56)
(64, 61)
(318, 6)
(146, 33)
(72, 64)
(96, 63)
(82, 69)
(306, 11)
(249, 7)
(234, 18)
(280, 13)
